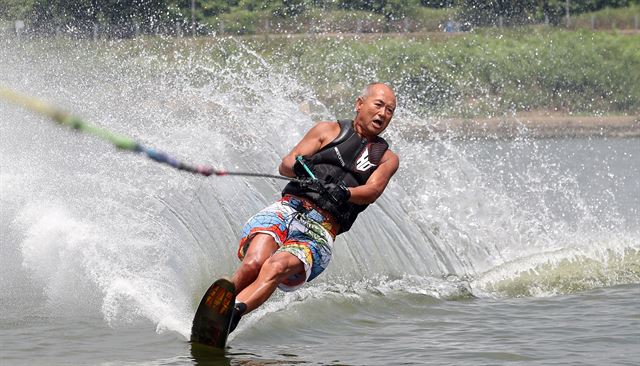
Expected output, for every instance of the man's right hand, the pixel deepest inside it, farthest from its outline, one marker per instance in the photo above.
(315, 185)
(298, 167)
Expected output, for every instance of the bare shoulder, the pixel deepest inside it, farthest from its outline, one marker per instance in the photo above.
(326, 131)
(391, 157)
(391, 161)
(327, 126)
(315, 139)
(383, 173)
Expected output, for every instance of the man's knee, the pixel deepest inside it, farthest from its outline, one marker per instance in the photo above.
(279, 267)
(252, 264)
(259, 249)
(275, 266)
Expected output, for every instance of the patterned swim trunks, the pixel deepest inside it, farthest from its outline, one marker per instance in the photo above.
(298, 228)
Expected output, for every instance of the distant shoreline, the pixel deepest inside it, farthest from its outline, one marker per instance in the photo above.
(539, 125)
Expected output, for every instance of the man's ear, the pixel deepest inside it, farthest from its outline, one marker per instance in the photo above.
(359, 102)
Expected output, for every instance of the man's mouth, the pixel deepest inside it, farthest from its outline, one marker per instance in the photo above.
(377, 123)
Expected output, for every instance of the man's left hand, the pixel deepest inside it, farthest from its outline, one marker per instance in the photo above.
(337, 192)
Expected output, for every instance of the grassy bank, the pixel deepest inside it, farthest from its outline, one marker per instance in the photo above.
(419, 19)
(474, 74)
(609, 18)
(467, 75)
(243, 22)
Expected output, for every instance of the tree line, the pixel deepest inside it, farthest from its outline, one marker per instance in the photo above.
(148, 15)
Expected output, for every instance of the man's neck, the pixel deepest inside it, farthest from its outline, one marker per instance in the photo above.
(361, 131)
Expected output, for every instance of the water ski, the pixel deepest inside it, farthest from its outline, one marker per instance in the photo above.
(211, 322)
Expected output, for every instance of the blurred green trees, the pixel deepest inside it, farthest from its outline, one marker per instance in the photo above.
(516, 12)
(148, 15)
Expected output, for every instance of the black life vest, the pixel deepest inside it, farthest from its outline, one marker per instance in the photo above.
(348, 158)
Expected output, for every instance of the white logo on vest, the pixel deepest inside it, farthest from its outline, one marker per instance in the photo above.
(363, 163)
(339, 155)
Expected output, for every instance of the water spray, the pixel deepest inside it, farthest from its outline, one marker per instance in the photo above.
(119, 141)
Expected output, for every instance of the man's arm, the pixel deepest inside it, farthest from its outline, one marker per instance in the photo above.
(377, 182)
(314, 140)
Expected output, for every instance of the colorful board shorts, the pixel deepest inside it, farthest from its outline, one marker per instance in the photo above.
(299, 228)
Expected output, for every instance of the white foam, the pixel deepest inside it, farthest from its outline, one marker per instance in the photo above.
(115, 233)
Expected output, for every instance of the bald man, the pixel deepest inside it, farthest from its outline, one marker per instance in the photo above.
(290, 242)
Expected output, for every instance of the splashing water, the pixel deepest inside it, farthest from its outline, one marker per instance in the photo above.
(100, 231)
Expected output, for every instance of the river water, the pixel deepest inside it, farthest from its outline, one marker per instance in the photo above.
(480, 252)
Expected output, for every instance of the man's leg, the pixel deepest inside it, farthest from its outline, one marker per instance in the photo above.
(261, 247)
(274, 271)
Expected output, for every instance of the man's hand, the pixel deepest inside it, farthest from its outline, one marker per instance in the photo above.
(315, 185)
(337, 192)
(313, 141)
(298, 167)
(334, 193)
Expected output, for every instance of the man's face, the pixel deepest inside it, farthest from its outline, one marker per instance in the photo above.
(375, 111)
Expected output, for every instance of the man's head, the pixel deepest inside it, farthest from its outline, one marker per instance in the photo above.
(374, 109)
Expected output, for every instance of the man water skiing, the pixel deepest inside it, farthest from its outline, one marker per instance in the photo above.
(343, 167)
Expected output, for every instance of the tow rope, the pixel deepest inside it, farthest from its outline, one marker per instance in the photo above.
(119, 141)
